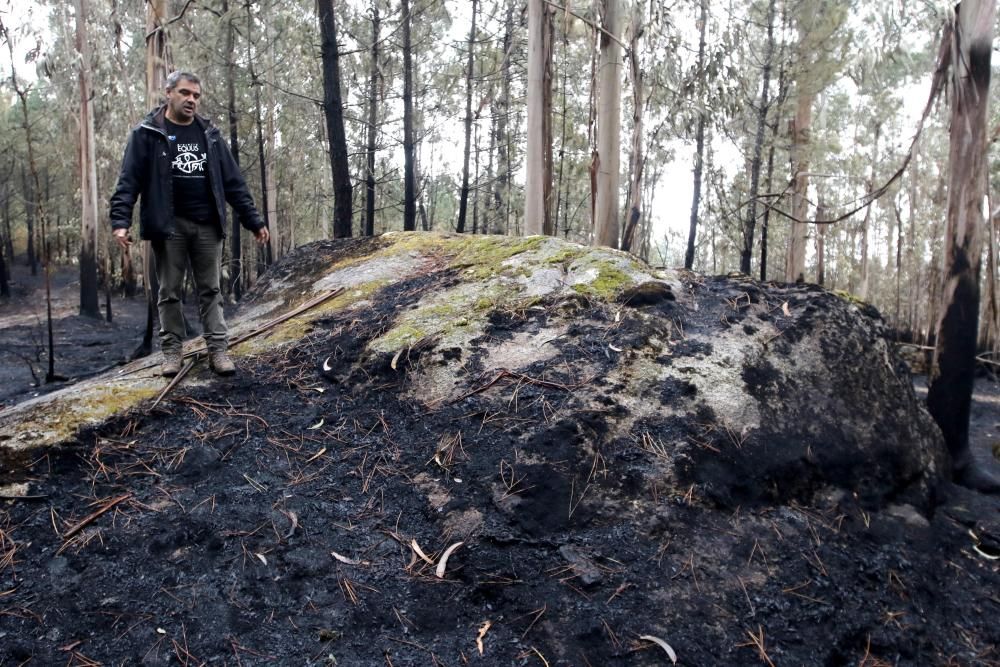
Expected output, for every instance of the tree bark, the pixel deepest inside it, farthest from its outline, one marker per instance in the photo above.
(333, 110)
(609, 129)
(29, 220)
(235, 242)
(409, 148)
(750, 221)
(821, 242)
(538, 154)
(463, 202)
(949, 398)
(89, 298)
(372, 129)
(502, 189)
(637, 159)
(263, 253)
(699, 153)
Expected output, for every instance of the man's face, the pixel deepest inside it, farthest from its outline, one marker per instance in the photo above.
(182, 101)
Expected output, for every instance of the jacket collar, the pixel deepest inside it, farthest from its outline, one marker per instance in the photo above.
(155, 120)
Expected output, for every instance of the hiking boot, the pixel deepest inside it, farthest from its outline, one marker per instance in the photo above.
(172, 362)
(220, 362)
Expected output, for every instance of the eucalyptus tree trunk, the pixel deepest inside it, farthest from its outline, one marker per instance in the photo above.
(608, 128)
(8, 241)
(795, 259)
(29, 220)
(501, 192)
(158, 64)
(270, 186)
(562, 198)
(637, 159)
(89, 301)
(769, 179)
(820, 242)
(538, 154)
(372, 129)
(866, 222)
(750, 221)
(949, 398)
(463, 202)
(699, 153)
(333, 110)
(912, 273)
(6, 255)
(989, 336)
(235, 242)
(409, 149)
(263, 254)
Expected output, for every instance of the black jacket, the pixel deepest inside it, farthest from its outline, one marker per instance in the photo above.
(146, 171)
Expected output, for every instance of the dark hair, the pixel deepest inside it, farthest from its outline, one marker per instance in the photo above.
(174, 78)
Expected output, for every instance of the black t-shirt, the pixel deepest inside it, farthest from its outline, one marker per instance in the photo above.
(189, 166)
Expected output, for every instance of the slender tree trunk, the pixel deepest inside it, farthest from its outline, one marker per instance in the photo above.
(372, 129)
(750, 221)
(502, 188)
(263, 254)
(334, 112)
(949, 398)
(795, 259)
(609, 129)
(29, 219)
(899, 266)
(270, 185)
(8, 240)
(463, 201)
(409, 147)
(821, 242)
(866, 222)
(562, 198)
(699, 141)
(89, 299)
(158, 64)
(637, 158)
(235, 242)
(765, 221)
(538, 155)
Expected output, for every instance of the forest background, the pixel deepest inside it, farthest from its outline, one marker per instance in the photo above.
(738, 126)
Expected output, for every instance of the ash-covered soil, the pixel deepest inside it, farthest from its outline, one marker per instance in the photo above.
(299, 513)
(83, 346)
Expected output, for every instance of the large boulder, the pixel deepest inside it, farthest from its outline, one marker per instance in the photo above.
(745, 392)
(739, 469)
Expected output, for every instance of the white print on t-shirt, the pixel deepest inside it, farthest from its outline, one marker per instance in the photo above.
(187, 162)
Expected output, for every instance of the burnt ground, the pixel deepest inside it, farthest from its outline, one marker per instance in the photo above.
(269, 519)
(83, 345)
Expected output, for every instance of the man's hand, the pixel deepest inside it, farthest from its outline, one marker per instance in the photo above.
(123, 238)
(262, 236)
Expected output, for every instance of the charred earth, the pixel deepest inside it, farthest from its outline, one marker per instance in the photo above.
(634, 464)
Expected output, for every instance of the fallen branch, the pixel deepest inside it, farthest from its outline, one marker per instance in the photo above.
(111, 504)
(192, 357)
(520, 377)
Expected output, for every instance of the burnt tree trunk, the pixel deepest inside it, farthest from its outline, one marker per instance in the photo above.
(950, 396)
(750, 221)
(333, 110)
(463, 202)
(235, 241)
(409, 149)
(89, 298)
(372, 130)
(699, 154)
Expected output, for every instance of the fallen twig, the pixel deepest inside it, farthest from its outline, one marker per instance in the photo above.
(96, 515)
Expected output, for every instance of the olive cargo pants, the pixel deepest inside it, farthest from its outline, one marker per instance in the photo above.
(202, 245)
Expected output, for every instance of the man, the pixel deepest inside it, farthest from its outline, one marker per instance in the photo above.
(177, 162)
